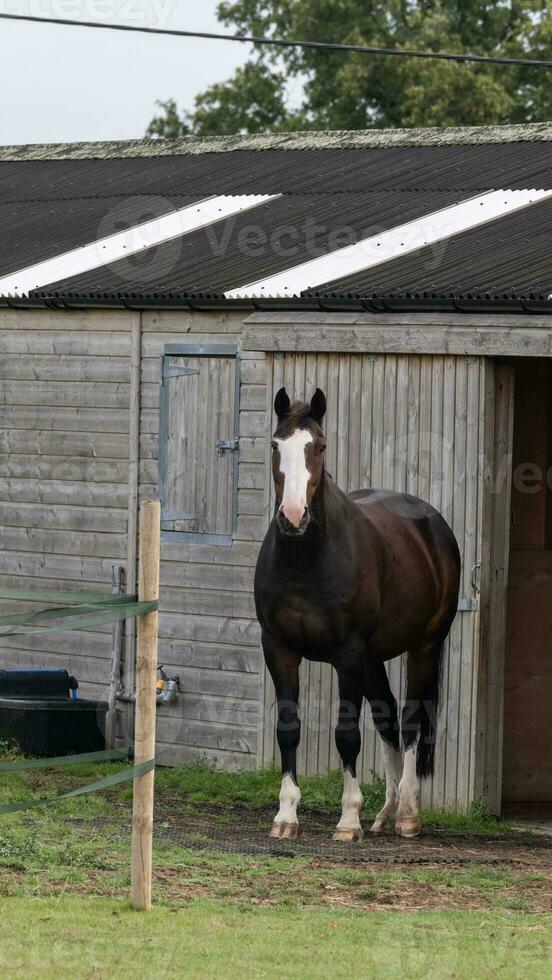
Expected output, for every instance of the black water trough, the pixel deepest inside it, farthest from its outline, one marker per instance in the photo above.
(40, 712)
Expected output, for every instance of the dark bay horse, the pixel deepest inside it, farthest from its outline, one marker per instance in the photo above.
(353, 580)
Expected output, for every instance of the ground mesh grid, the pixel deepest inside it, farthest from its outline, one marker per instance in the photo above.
(245, 830)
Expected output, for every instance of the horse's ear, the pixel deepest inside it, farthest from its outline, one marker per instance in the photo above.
(318, 406)
(282, 404)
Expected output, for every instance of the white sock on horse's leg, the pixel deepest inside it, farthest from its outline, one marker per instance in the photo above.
(408, 815)
(286, 823)
(392, 759)
(349, 827)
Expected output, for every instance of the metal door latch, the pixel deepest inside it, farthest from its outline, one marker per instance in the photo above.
(223, 446)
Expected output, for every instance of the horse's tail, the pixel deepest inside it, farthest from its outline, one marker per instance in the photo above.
(425, 757)
(422, 705)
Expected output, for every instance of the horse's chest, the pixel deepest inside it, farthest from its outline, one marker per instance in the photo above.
(304, 629)
(311, 622)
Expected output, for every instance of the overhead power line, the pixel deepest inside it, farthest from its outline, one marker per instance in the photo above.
(279, 43)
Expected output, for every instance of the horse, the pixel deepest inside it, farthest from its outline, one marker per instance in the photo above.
(353, 580)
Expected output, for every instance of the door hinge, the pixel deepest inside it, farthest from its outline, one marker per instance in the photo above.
(173, 371)
(177, 515)
(465, 604)
(223, 446)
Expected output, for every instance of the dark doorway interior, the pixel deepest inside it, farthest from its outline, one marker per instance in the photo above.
(527, 767)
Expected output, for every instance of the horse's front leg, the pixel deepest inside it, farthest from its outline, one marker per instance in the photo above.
(347, 740)
(284, 670)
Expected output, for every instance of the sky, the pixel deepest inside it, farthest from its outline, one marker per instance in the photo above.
(66, 84)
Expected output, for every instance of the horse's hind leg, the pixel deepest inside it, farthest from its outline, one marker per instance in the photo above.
(284, 670)
(347, 740)
(419, 719)
(386, 722)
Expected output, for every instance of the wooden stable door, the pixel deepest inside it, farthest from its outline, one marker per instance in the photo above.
(419, 424)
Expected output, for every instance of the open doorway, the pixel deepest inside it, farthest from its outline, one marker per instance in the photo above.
(527, 759)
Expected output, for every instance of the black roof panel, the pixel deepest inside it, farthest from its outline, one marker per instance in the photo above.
(512, 255)
(267, 239)
(57, 199)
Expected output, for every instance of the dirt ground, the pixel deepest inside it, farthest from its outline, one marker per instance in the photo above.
(221, 851)
(441, 869)
(241, 829)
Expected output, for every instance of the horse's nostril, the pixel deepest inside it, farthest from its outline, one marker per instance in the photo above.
(295, 526)
(293, 514)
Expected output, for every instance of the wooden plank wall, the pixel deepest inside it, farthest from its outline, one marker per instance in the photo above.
(64, 440)
(406, 421)
(412, 423)
(65, 427)
(209, 634)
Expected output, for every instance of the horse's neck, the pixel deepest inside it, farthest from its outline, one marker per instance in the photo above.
(328, 505)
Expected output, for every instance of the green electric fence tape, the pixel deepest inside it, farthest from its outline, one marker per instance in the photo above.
(82, 610)
(113, 780)
(65, 760)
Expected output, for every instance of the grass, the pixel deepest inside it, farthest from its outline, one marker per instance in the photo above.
(102, 937)
(45, 855)
(64, 883)
(201, 784)
(260, 788)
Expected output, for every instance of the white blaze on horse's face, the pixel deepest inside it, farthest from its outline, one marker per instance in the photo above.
(293, 468)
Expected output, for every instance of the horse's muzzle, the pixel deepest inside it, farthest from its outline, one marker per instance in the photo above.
(289, 529)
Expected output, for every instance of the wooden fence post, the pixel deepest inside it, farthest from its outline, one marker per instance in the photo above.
(146, 676)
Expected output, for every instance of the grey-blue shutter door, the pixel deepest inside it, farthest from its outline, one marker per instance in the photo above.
(198, 493)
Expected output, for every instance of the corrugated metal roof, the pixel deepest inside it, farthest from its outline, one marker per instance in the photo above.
(469, 169)
(337, 139)
(336, 188)
(511, 256)
(270, 239)
(31, 231)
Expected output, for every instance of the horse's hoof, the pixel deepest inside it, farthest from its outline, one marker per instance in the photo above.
(348, 836)
(409, 827)
(285, 831)
(382, 825)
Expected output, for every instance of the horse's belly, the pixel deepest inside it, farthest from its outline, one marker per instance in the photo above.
(402, 623)
(386, 644)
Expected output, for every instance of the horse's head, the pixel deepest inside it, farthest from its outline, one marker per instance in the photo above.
(298, 448)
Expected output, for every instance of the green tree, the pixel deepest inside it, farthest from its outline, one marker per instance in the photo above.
(355, 91)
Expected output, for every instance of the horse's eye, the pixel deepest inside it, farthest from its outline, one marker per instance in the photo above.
(322, 449)
(274, 445)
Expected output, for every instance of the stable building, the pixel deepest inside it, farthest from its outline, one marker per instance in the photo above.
(155, 296)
